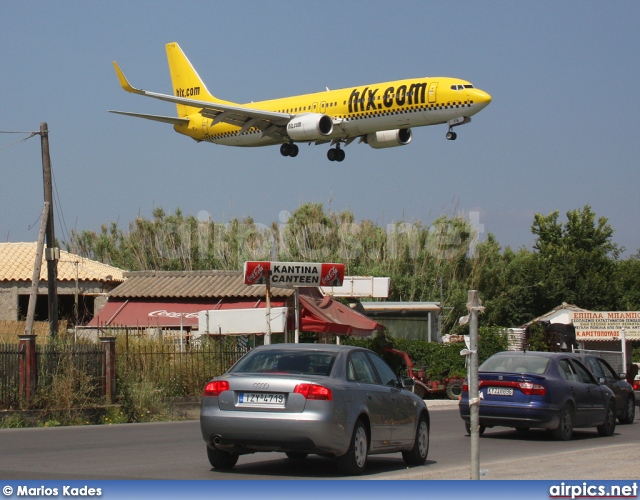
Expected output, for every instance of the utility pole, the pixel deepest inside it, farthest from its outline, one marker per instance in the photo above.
(52, 254)
(267, 337)
(474, 305)
(37, 266)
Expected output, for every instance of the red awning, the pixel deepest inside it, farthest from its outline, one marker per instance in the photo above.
(141, 314)
(325, 315)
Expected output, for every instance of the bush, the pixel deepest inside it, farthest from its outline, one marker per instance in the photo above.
(436, 359)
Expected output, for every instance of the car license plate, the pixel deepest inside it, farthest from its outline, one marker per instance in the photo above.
(500, 391)
(260, 398)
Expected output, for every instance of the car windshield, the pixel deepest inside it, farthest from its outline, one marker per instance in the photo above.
(286, 361)
(515, 363)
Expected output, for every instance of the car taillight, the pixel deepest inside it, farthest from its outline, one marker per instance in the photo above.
(636, 385)
(531, 389)
(465, 387)
(314, 391)
(215, 387)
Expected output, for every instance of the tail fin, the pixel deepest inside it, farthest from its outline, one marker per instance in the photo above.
(186, 81)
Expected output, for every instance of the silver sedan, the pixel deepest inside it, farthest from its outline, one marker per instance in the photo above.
(336, 401)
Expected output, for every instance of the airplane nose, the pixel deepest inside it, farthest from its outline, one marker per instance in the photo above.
(481, 97)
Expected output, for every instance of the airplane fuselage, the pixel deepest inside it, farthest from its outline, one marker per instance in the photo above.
(355, 111)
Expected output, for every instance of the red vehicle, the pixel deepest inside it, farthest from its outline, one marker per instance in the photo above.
(423, 386)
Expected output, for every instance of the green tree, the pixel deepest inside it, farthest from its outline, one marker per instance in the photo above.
(577, 260)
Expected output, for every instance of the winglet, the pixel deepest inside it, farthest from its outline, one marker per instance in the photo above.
(124, 83)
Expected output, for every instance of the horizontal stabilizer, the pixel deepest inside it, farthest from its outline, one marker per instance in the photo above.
(157, 118)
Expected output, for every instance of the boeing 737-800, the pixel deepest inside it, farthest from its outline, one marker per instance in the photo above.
(380, 115)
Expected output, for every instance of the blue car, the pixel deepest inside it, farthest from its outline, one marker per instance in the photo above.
(552, 391)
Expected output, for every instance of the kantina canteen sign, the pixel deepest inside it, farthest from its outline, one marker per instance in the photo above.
(606, 325)
(292, 274)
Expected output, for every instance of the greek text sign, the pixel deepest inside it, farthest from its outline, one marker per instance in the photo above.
(606, 325)
(292, 274)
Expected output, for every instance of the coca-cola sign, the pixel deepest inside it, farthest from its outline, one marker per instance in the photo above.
(292, 274)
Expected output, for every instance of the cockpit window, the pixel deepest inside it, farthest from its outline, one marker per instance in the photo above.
(461, 87)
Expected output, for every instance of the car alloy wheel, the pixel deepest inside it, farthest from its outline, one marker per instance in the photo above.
(565, 429)
(608, 427)
(629, 412)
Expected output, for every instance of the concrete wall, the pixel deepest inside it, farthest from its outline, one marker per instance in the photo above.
(8, 303)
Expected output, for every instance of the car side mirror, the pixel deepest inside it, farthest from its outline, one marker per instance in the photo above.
(622, 376)
(407, 382)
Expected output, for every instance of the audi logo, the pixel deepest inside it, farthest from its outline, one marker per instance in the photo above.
(259, 385)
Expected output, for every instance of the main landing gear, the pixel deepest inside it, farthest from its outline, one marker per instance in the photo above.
(336, 154)
(289, 149)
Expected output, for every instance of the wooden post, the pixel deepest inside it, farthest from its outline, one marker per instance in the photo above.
(37, 266)
(27, 367)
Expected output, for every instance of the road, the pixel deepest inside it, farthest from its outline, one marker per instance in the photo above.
(175, 450)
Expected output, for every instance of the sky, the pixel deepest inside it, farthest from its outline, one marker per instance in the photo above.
(562, 130)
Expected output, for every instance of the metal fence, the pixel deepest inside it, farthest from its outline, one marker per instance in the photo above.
(71, 367)
(177, 370)
(9, 375)
(173, 369)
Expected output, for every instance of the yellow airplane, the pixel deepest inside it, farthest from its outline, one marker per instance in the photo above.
(380, 115)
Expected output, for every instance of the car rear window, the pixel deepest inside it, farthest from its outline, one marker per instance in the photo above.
(515, 363)
(284, 361)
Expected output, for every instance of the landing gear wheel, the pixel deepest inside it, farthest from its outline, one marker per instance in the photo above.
(289, 149)
(296, 455)
(355, 460)
(451, 136)
(336, 154)
(609, 426)
(418, 454)
(221, 460)
(285, 149)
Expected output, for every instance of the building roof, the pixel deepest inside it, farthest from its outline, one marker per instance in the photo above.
(17, 261)
(559, 314)
(191, 284)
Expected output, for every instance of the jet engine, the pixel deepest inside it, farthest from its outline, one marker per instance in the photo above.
(309, 127)
(389, 138)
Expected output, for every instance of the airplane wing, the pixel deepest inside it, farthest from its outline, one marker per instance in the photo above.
(270, 122)
(165, 119)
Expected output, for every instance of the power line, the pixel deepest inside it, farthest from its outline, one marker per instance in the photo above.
(31, 134)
